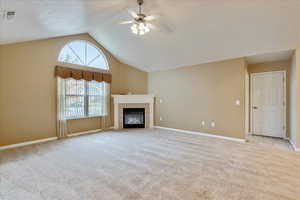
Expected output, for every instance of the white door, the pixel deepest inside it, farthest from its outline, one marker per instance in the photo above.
(268, 104)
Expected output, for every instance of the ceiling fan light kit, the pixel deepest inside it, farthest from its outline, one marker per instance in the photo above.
(140, 28)
(140, 24)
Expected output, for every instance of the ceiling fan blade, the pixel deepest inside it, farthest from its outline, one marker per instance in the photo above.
(151, 17)
(127, 22)
(163, 26)
(151, 26)
(132, 13)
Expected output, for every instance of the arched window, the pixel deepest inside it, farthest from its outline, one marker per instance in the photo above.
(82, 52)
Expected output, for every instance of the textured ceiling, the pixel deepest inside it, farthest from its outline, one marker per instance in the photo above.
(189, 31)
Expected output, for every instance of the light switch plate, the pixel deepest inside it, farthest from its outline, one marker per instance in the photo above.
(160, 118)
(203, 123)
(238, 102)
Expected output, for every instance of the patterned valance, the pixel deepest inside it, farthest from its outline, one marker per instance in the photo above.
(65, 72)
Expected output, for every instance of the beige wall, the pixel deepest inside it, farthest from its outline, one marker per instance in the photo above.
(1, 93)
(204, 92)
(28, 89)
(295, 99)
(297, 71)
(277, 66)
(131, 79)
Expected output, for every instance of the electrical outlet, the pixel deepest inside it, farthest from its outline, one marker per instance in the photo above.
(213, 124)
(160, 101)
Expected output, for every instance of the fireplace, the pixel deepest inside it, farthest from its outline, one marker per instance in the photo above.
(133, 117)
(124, 103)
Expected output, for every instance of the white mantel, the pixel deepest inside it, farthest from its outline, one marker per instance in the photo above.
(132, 99)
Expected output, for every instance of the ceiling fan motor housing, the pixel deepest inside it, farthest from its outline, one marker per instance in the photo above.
(141, 17)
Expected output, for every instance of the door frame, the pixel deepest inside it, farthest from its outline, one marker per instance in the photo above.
(252, 75)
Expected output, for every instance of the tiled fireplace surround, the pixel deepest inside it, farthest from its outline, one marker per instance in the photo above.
(133, 101)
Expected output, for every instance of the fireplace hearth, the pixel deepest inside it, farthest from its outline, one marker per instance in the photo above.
(133, 117)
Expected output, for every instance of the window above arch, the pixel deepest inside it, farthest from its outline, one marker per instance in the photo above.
(82, 52)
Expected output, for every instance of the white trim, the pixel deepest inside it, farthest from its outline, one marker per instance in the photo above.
(49, 139)
(84, 132)
(134, 98)
(84, 117)
(27, 143)
(251, 98)
(294, 146)
(202, 134)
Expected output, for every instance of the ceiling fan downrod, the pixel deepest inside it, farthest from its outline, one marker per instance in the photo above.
(140, 2)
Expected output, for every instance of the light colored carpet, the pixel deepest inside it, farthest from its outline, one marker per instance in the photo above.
(270, 141)
(148, 165)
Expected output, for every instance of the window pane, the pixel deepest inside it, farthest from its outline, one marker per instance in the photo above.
(75, 91)
(95, 105)
(100, 62)
(95, 98)
(95, 88)
(74, 106)
(75, 87)
(92, 53)
(68, 56)
(78, 47)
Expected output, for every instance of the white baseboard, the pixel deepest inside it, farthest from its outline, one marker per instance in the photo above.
(202, 134)
(294, 146)
(48, 139)
(27, 143)
(84, 132)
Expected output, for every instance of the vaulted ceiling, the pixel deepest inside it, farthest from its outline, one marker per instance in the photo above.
(189, 32)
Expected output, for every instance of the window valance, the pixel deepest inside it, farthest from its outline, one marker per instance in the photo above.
(65, 72)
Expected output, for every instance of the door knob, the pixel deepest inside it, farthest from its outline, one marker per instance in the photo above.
(255, 107)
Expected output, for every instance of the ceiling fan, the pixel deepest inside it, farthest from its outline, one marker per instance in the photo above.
(140, 22)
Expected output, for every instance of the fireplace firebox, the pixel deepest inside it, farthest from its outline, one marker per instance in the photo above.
(133, 117)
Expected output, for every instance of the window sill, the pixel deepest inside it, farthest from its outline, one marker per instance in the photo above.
(85, 117)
